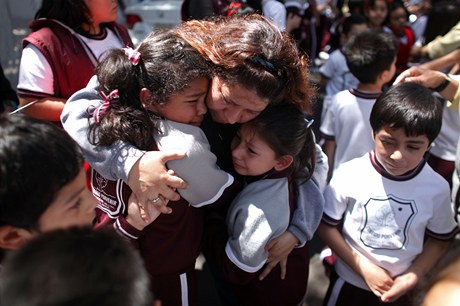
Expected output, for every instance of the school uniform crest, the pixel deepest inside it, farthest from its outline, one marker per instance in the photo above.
(386, 222)
(109, 194)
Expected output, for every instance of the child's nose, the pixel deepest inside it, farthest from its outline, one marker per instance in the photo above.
(396, 155)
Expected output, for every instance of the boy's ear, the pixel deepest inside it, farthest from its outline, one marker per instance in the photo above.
(12, 238)
(283, 162)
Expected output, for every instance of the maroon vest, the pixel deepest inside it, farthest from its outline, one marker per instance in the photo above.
(71, 66)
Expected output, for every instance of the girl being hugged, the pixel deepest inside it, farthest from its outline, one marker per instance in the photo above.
(273, 152)
(155, 100)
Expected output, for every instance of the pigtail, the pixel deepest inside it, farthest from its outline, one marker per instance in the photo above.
(122, 118)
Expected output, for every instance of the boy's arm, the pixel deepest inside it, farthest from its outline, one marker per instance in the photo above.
(433, 250)
(378, 279)
(329, 148)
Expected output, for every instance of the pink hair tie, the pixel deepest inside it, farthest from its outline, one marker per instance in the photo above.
(108, 100)
(133, 55)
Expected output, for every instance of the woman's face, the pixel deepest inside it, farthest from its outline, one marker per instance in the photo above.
(232, 103)
(102, 10)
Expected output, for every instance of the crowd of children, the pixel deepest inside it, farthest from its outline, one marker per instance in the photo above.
(201, 140)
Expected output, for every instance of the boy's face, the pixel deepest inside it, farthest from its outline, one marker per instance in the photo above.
(397, 152)
(74, 205)
(251, 155)
(187, 106)
(355, 29)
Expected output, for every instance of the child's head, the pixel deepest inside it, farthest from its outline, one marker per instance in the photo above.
(405, 120)
(74, 267)
(397, 18)
(353, 25)
(376, 12)
(42, 181)
(371, 56)
(164, 77)
(279, 138)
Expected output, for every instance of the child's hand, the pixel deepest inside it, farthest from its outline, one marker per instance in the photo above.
(278, 250)
(139, 215)
(377, 278)
(401, 285)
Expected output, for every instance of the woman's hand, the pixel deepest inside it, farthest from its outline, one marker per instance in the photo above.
(278, 250)
(425, 77)
(150, 180)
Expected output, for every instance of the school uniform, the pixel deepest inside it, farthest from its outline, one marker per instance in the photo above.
(385, 218)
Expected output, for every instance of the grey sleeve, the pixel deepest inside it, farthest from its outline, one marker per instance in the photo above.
(206, 181)
(258, 214)
(310, 201)
(113, 162)
(307, 216)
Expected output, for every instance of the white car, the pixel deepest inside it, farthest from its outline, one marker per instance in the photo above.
(149, 15)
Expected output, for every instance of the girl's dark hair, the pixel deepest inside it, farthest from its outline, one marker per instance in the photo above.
(409, 106)
(251, 51)
(73, 13)
(167, 65)
(37, 159)
(288, 132)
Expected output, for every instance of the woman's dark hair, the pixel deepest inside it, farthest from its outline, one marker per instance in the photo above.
(409, 106)
(287, 131)
(167, 65)
(251, 51)
(37, 159)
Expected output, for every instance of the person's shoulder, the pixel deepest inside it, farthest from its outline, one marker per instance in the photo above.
(179, 136)
(430, 177)
(355, 166)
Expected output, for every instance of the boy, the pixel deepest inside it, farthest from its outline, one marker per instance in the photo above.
(371, 57)
(73, 267)
(335, 74)
(396, 213)
(42, 181)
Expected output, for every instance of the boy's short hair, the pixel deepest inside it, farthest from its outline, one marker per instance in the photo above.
(352, 20)
(75, 267)
(36, 160)
(369, 53)
(410, 106)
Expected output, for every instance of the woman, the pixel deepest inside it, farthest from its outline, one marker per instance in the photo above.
(59, 56)
(255, 64)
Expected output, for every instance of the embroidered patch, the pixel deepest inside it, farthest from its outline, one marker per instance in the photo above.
(387, 222)
(109, 194)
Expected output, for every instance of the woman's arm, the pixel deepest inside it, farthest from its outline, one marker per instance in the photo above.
(305, 220)
(144, 172)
